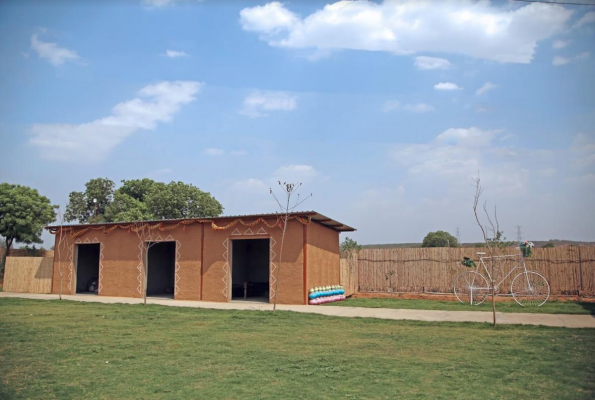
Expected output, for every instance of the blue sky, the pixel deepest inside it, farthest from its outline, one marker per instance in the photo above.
(384, 110)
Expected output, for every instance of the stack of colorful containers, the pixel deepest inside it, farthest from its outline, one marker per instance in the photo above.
(326, 294)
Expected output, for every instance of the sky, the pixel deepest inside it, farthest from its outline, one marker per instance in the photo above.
(384, 111)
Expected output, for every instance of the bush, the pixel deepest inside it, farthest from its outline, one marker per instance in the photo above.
(440, 239)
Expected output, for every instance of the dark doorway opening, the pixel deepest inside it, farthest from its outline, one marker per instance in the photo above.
(250, 270)
(162, 269)
(87, 268)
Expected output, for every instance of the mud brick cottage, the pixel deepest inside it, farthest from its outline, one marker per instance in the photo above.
(212, 259)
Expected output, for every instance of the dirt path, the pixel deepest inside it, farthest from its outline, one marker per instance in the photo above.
(557, 320)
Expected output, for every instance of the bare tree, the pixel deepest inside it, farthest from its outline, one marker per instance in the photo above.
(495, 244)
(285, 207)
(60, 246)
(146, 238)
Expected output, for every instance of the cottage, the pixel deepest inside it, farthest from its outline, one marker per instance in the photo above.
(211, 259)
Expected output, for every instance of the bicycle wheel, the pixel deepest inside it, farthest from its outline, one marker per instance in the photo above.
(471, 287)
(530, 289)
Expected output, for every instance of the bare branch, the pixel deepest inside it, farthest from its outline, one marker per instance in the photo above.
(289, 189)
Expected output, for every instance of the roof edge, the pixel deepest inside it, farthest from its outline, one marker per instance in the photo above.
(315, 216)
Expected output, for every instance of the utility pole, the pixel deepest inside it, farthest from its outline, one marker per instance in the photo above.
(458, 236)
(519, 234)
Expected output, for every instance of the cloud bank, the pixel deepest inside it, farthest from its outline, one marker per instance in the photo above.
(55, 54)
(476, 29)
(92, 141)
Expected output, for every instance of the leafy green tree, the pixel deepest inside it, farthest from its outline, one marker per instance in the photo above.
(440, 239)
(181, 200)
(350, 245)
(81, 206)
(127, 208)
(23, 214)
(136, 188)
(140, 200)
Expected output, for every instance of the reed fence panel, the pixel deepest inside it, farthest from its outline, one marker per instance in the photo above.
(28, 274)
(570, 270)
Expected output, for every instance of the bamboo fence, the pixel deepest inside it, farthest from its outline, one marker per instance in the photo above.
(28, 274)
(28, 253)
(570, 270)
(349, 273)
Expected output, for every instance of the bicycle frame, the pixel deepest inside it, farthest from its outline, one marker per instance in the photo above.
(519, 265)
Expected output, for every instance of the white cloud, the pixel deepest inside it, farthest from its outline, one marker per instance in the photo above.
(249, 184)
(588, 18)
(257, 103)
(447, 86)
(418, 108)
(174, 54)
(548, 172)
(466, 137)
(157, 3)
(560, 44)
(380, 197)
(486, 88)
(524, 182)
(92, 141)
(214, 152)
(584, 180)
(476, 29)
(454, 156)
(271, 17)
(295, 173)
(55, 54)
(393, 105)
(583, 151)
(558, 61)
(426, 63)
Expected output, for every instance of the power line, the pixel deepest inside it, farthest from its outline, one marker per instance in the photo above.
(557, 2)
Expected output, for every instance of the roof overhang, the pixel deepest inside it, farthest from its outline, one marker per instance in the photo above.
(316, 217)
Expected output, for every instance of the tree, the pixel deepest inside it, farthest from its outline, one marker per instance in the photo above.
(548, 245)
(350, 245)
(181, 200)
(81, 206)
(127, 208)
(140, 200)
(146, 238)
(440, 239)
(60, 247)
(495, 245)
(23, 214)
(285, 207)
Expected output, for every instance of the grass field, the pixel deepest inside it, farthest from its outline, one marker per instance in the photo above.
(54, 349)
(551, 307)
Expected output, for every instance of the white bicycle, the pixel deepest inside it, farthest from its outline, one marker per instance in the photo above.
(528, 288)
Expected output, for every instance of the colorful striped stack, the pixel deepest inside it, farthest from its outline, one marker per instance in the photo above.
(326, 294)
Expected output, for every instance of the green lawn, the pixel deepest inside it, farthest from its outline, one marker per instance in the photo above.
(63, 349)
(551, 307)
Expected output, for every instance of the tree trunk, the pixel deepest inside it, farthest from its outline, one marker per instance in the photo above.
(8, 243)
(493, 295)
(145, 274)
(280, 260)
